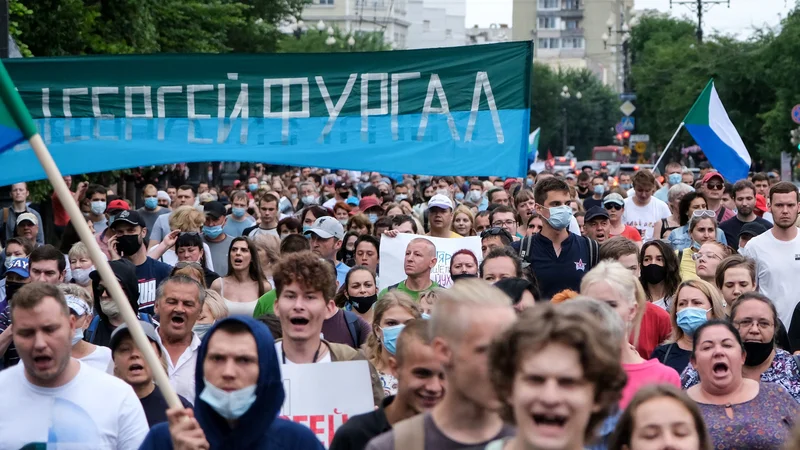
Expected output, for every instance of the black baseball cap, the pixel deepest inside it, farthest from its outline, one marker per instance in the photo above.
(131, 217)
(214, 209)
(594, 212)
(341, 185)
(752, 229)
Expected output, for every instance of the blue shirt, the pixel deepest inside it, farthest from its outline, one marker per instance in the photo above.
(150, 274)
(341, 272)
(681, 240)
(565, 271)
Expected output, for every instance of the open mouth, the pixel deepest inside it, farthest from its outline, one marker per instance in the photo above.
(550, 420)
(136, 369)
(178, 320)
(719, 368)
(42, 361)
(237, 260)
(298, 321)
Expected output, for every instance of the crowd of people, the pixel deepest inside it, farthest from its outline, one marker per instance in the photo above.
(631, 312)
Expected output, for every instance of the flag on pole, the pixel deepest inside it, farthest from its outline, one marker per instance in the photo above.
(16, 124)
(533, 145)
(710, 126)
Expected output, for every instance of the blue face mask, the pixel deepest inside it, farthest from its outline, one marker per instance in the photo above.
(690, 319)
(426, 316)
(696, 245)
(98, 207)
(306, 228)
(390, 335)
(459, 196)
(200, 329)
(252, 187)
(78, 336)
(151, 202)
(625, 186)
(674, 179)
(399, 197)
(238, 212)
(212, 232)
(372, 218)
(529, 182)
(560, 217)
(230, 405)
(599, 189)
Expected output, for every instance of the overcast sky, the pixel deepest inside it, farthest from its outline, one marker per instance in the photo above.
(739, 19)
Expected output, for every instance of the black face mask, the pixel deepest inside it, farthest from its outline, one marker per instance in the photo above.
(128, 244)
(11, 288)
(463, 276)
(363, 304)
(757, 352)
(654, 274)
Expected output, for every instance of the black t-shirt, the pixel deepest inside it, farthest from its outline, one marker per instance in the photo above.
(360, 429)
(733, 226)
(565, 271)
(155, 407)
(584, 195)
(673, 356)
(590, 202)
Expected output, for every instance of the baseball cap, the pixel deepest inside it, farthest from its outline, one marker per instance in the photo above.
(595, 212)
(119, 204)
(761, 203)
(613, 198)
(507, 184)
(205, 197)
(122, 331)
(77, 305)
(20, 267)
(711, 175)
(327, 227)
(131, 217)
(752, 229)
(352, 201)
(570, 176)
(341, 185)
(214, 209)
(440, 201)
(367, 203)
(27, 216)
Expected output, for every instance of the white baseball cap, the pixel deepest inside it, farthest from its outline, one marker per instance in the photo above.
(327, 227)
(440, 201)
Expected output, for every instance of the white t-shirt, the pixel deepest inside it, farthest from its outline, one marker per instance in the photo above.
(93, 411)
(171, 258)
(100, 359)
(279, 350)
(778, 263)
(644, 218)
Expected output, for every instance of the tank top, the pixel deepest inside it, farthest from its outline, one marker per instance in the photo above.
(237, 308)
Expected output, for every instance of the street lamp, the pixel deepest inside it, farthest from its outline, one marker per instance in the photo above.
(351, 41)
(565, 96)
(320, 25)
(624, 33)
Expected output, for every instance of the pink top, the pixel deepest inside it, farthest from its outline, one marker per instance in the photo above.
(648, 372)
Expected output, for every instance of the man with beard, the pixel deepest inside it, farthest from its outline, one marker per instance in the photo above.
(128, 243)
(54, 400)
(420, 259)
(107, 314)
(744, 196)
(775, 251)
(180, 302)
(420, 387)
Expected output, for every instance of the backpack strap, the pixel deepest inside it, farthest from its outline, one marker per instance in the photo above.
(352, 319)
(409, 434)
(525, 250)
(90, 332)
(594, 250)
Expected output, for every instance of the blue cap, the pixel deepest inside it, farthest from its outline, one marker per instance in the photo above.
(20, 267)
(353, 201)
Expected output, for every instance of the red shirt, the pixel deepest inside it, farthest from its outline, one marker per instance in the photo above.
(656, 328)
(631, 233)
(60, 216)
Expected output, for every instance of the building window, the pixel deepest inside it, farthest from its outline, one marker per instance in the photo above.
(571, 25)
(548, 42)
(547, 23)
(426, 25)
(575, 42)
(572, 4)
(324, 2)
(549, 4)
(448, 33)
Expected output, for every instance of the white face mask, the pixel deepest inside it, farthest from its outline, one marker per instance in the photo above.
(110, 308)
(81, 276)
(230, 405)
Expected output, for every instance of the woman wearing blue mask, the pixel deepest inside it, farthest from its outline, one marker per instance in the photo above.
(310, 214)
(80, 308)
(702, 229)
(696, 303)
(390, 314)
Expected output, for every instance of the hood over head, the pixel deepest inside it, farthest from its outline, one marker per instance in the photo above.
(253, 425)
(126, 274)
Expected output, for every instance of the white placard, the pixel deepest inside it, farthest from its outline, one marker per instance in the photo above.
(393, 252)
(311, 400)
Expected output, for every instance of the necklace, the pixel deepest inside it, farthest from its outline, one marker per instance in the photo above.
(316, 353)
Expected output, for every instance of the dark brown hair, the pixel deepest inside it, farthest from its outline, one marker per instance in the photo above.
(734, 261)
(783, 187)
(254, 268)
(32, 294)
(307, 269)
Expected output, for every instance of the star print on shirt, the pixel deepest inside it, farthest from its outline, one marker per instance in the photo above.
(580, 265)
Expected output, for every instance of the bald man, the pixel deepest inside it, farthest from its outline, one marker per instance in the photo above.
(419, 261)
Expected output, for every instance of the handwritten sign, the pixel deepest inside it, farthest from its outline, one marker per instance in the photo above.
(393, 251)
(311, 401)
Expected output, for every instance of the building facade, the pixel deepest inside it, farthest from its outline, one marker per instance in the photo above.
(387, 16)
(435, 23)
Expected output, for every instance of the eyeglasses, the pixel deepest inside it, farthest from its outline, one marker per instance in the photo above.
(715, 186)
(747, 323)
(704, 213)
(507, 223)
(496, 231)
(613, 206)
(697, 256)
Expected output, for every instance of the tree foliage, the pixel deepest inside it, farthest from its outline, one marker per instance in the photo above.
(590, 120)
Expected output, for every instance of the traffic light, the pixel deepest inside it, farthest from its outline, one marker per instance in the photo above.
(619, 137)
(795, 134)
(626, 134)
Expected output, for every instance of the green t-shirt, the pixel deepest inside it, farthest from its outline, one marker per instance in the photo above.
(402, 287)
(266, 304)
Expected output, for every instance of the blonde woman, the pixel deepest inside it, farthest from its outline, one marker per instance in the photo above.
(463, 221)
(80, 306)
(696, 302)
(614, 284)
(185, 219)
(391, 312)
(269, 251)
(214, 309)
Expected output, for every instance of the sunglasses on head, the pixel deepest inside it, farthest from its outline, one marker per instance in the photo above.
(704, 213)
(496, 231)
(613, 206)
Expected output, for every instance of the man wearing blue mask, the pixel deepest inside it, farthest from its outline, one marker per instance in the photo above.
(151, 210)
(235, 408)
(598, 189)
(238, 220)
(558, 258)
(673, 177)
(97, 195)
(218, 241)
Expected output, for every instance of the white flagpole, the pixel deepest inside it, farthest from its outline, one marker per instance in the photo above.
(101, 264)
(655, 166)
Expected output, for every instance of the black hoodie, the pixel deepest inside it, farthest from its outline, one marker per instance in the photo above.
(126, 275)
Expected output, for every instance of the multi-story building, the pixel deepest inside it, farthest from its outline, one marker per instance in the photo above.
(435, 23)
(494, 33)
(387, 16)
(569, 34)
